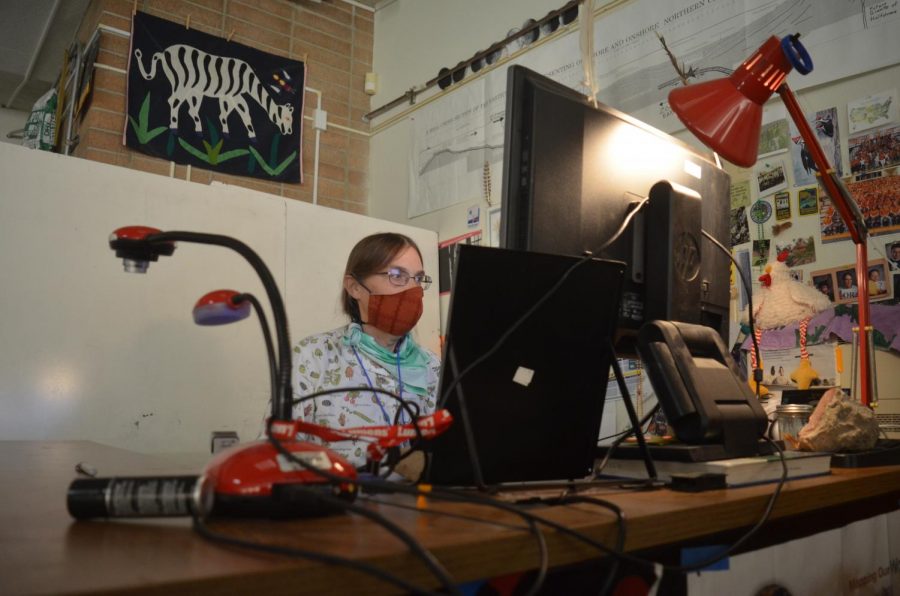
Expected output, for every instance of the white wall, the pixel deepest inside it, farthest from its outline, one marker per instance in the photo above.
(413, 40)
(90, 352)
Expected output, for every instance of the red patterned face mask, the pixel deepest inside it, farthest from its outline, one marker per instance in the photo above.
(396, 314)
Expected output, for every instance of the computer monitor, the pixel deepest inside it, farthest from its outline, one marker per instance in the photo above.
(572, 172)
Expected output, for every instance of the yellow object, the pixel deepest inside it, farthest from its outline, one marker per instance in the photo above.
(804, 374)
(763, 390)
(838, 358)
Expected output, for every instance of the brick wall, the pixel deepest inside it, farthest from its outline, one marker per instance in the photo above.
(335, 37)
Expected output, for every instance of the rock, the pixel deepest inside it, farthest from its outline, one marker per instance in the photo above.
(839, 423)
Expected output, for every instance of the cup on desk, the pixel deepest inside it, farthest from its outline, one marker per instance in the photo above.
(789, 419)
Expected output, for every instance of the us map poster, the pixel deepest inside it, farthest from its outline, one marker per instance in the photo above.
(454, 136)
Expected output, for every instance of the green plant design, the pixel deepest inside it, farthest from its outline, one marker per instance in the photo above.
(212, 155)
(270, 170)
(140, 126)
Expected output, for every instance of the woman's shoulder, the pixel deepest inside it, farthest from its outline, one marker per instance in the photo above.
(326, 340)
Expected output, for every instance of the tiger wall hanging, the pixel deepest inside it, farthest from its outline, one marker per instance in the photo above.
(200, 100)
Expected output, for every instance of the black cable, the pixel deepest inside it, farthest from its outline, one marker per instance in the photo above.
(624, 435)
(620, 539)
(415, 547)
(410, 407)
(281, 406)
(201, 528)
(745, 279)
(770, 505)
(267, 336)
(532, 526)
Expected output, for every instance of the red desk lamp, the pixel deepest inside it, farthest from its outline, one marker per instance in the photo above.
(726, 115)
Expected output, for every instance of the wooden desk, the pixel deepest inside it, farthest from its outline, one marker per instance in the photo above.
(42, 550)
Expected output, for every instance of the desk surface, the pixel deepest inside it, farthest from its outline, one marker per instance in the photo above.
(42, 550)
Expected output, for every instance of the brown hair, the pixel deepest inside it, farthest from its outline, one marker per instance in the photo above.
(371, 255)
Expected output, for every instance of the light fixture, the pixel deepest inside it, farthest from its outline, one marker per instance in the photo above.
(726, 115)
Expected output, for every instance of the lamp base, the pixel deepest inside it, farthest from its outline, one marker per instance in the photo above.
(885, 453)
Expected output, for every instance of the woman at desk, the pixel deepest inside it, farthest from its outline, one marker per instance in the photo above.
(384, 283)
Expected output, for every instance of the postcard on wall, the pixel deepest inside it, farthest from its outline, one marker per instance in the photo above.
(770, 176)
(808, 201)
(872, 111)
(743, 257)
(825, 126)
(773, 138)
(875, 151)
(801, 251)
(782, 205)
(779, 364)
(494, 227)
(740, 229)
(761, 252)
(740, 194)
(447, 251)
(878, 200)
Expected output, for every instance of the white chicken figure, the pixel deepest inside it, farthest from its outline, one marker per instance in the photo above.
(781, 301)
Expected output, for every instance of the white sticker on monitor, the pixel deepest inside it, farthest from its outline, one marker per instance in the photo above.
(523, 376)
(692, 169)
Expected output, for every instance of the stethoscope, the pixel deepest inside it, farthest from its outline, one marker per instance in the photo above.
(387, 418)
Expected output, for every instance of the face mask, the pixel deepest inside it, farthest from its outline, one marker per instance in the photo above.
(396, 314)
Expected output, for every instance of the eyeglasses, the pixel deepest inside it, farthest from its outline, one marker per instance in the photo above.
(400, 277)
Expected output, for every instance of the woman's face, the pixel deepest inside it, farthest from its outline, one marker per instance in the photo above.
(848, 280)
(406, 260)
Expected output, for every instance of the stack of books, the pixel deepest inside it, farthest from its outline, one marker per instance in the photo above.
(741, 471)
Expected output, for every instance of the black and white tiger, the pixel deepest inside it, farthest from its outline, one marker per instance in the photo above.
(195, 74)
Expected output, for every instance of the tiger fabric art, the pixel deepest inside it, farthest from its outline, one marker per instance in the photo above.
(195, 74)
(201, 100)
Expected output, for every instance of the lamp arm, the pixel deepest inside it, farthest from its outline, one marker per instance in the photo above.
(853, 218)
(281, 407)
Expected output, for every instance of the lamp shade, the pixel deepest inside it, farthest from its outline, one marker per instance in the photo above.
(726, 114)
(219, 308)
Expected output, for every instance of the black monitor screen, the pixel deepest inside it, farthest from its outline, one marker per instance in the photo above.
(572, 172)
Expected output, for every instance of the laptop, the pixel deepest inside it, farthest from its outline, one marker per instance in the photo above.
(530, 412)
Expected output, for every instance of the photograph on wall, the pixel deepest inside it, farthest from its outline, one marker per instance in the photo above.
(740, 229)
(782, 205)
(773, 138)
(879, 288)
(825, 126)
(875, 110)
(892, 250)
(824, 282)
(879, 202)
(761, 252)
(796, 274)
(740, 194)
(200, 100)
(876, 150)
(844, 279)
(770, 176)
(801, 251)
(847, 289)
(808, 201)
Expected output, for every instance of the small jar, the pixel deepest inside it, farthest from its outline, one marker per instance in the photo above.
(789, 419)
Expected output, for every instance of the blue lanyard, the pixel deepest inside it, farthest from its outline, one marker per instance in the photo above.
(384, 413)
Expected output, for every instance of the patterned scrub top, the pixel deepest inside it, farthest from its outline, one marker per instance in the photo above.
(324, 361)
